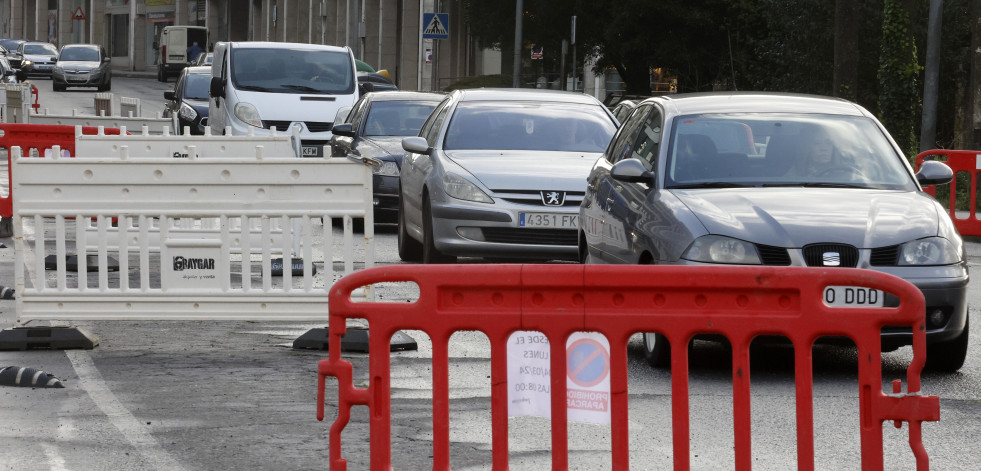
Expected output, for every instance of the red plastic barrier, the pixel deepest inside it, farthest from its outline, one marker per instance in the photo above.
(959, 161)
(39, 137)
(37, 95)
(618, 301)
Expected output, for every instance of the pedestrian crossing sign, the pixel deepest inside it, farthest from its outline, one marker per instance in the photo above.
(435, 25)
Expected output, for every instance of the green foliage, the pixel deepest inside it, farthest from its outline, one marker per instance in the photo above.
(899, 99)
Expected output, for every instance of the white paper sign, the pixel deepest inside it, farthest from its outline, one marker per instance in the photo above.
(588, 380)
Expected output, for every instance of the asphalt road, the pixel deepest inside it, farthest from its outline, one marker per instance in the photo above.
(173, 395)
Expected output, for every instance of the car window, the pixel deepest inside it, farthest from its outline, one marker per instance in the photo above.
(783, 149)
(430, 130)
(354, 116)
(648, 141)
(46, 49)
(196, 86)
(622, 145)
(86, 54)
(285, 70)
(397, 118)
(512, 125)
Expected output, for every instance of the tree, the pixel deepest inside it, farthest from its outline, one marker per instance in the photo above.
(899, 97)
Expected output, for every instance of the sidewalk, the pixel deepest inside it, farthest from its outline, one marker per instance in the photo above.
(123, 72)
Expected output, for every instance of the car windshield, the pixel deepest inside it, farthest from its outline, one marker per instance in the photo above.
(196, 86)
(40, 49)
(281, 70)
(397, 118)
(782, 150)
(86, 54)
(512, 125)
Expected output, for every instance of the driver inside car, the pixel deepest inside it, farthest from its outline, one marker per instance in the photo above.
(821, 159)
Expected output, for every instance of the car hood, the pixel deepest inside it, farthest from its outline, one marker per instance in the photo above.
(534, 170)
(382, 147)
(290, 106)
(39, 57)
(794, 217)
(78, 65)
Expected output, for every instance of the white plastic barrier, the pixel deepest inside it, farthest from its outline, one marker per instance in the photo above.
(157, 125)
(130, 107)
(140, 143)
(195, 274)
(17, 102)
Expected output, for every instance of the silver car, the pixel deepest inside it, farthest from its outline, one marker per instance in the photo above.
(499, 173)
(82, 65)
(769, 179)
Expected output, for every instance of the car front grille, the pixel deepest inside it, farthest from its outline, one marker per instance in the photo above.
(770, 255)
(534, 198)
(814, 255)
(885, 256)
(313, 126)
(510, 235)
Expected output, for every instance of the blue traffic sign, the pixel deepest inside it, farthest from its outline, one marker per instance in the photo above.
(435, 25)
(588, 362)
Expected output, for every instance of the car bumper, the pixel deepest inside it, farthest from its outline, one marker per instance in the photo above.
(386, 198)
(78, 80)
(310, 140)
(469, 231)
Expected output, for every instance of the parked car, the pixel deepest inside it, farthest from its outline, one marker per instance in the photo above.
(623, 108)
(11, 45)
(684, 182)
(374, 128)
(8, 74)
(374, 82)
(82, 65)
(499, 173)
(37, 58)
(187, 103)
(204, 58)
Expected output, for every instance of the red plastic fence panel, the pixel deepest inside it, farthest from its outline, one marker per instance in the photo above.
(39, 137)
(959, 161)
(618, 301)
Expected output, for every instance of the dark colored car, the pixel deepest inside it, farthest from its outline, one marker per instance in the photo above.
(82, 65)
(11, 45)
(187, 104)
(8, 74)
(781, 180)
(38, 58)
(374, 128)
(374, 82)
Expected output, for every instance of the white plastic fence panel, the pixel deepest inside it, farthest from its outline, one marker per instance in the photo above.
(154, 125)
(130, 107)
(221, 274)
(140, 143)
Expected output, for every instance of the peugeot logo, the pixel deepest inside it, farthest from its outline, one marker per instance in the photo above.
(553, 198)
(831, 259)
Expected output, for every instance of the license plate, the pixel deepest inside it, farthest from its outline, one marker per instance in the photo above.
(313, 151)
(549, 220)
(853, 296)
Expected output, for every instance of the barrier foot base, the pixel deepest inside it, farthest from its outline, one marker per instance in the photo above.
(296, 266)
(355, 340)
(71, 263)
(50, 338)
(6, 227)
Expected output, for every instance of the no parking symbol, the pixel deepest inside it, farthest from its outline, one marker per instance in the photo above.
(588, 377)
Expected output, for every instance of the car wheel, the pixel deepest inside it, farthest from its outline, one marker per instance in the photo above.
(58, 87)
(948, 357)
(429, 252)
(410, 250)
(161, 76)
(657, 350)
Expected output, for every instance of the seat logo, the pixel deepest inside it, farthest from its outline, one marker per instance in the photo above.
(831, 259)
(553, 198)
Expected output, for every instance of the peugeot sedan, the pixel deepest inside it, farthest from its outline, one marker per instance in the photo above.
(82, 65)
(771, 179)
(499, 173)
(374, 129)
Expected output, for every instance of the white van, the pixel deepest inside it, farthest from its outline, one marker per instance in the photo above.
(259, 85)
(172, 47)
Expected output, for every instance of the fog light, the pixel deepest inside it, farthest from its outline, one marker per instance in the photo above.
(472, 233)
(936, 318)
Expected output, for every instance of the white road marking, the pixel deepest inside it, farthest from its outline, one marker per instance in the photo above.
(91, 381)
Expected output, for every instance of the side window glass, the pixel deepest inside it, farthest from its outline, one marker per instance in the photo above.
(437, 118)
(622, 146)
(355, 116)
(428, 125)
(648, 140)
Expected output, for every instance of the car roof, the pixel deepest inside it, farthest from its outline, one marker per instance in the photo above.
(276, 45)
(404, 95)
(756, 102)
(87, 46)
(199, 69)
(523, 94)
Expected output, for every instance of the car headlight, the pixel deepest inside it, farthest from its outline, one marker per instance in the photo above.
(720, 249)
(387, 168)
(929, 251)
(248, 114)
(26, 63)
(187, 112)
(461, 188)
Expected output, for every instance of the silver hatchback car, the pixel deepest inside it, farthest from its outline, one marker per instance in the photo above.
(499, 173)
(778, 179)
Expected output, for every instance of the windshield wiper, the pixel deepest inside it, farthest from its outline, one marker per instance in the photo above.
(302, 87)
(254, 88)
(709, 185)
(814, 185)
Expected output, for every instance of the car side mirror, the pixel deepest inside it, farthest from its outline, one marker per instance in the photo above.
(169, 95)
(106, 59)
(934, 172)
(217, 87)
(366, 87)
(632, 171)
(416, 145)
(54, 58)
(343, 129)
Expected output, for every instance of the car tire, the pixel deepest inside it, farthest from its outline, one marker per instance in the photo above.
(429, 252)
(657, 350)
(58, 87)
(410, 250)
(161, 75)
(948, 357)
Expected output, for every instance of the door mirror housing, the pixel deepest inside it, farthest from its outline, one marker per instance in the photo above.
(416, 145)
(934, 172)
(632, 171)
(217, 88)
(343, 129)
(169, 95)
